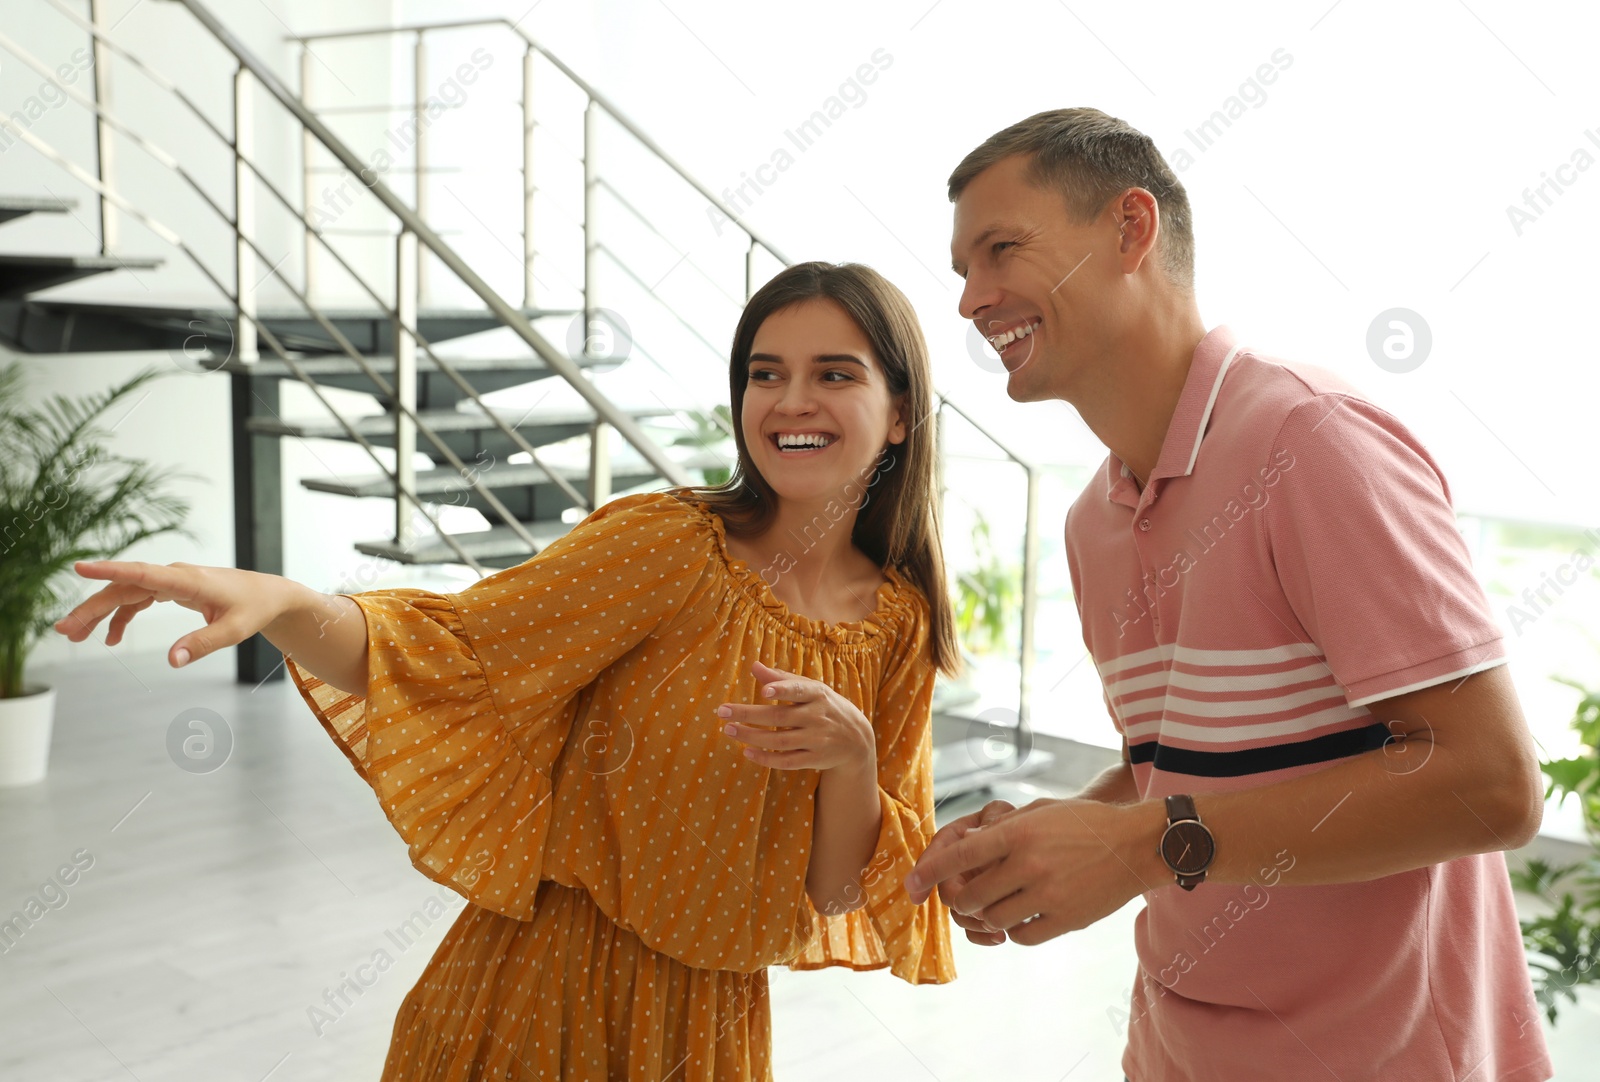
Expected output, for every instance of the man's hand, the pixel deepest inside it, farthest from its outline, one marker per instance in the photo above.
(978, 930)
(1052, 867)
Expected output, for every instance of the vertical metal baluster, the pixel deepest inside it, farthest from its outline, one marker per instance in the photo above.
(1030, 591)
(599, 444)
(405, 385)
(591, 240)
(102, 131)
(599, 464)
(308, 143)
(419, 69)
(527, 178)
(244, 213)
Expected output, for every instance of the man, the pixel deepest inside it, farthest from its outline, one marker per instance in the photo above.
(1323, 755)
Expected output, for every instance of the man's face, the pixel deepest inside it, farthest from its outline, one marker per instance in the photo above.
(1031, 271)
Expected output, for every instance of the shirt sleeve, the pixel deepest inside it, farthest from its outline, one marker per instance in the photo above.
(913, 941)
(470, 695)
(1365, 542)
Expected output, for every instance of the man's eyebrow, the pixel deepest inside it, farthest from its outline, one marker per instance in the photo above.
(980, 238)
(821, 358)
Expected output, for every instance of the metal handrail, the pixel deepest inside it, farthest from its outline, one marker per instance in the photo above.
(503, 311)
(166, 159)
(593, 95)
(945, 402)
(163, 231)
(103, 41)
(639, 217)
(1026, 650)
(414, 227)
(1031, 470)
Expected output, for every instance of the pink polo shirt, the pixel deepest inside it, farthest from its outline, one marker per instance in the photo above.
(1293, 560)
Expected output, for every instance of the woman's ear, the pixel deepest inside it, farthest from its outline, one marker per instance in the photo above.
(897, 426)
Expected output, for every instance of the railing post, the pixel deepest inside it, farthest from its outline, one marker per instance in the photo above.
(102, 131)
(419, 74)
(244, 215)
(308, 143)
(750, 270)
(1030, 599)
(527, 178)
(599, 464)
(591, 241)
(405, 386)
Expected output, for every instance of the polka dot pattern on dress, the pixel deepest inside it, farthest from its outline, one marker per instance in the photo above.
(545, 743)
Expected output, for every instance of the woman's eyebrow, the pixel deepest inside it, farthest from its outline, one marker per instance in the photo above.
(820, 358)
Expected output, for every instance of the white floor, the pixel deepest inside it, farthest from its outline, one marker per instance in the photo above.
(221, 909)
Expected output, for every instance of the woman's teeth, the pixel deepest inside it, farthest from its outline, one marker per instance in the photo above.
(803, 443)
(1001, 341)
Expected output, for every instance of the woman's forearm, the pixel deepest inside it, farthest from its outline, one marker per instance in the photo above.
(325, 634)
(844, 829)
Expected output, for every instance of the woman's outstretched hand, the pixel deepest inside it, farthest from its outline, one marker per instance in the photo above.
(814, 728)
(235, 604)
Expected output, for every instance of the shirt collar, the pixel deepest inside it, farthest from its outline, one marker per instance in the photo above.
(1181, 446)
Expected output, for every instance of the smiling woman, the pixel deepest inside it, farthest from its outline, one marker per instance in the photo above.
(651, 772)
(829, 382)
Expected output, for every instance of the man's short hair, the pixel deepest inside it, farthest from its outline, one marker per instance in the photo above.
(1090, 157)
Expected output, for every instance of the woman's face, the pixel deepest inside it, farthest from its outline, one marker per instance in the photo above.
(817, 407)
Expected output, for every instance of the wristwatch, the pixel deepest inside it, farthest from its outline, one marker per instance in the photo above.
(1186, 845)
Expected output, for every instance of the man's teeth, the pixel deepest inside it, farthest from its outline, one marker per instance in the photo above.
(804, 441)
(1001, 341)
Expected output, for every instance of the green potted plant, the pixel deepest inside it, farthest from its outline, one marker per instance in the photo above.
(1564, 945)
(63, 497)
(987, 595)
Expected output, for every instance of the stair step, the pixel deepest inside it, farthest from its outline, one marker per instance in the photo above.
(20, 206)
(49, 325)
(439, 481)
(322, 366)
(628, 468)
(382, 424)
(497, 546)
(26, 273)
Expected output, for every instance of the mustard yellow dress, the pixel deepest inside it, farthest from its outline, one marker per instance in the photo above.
(545, 741)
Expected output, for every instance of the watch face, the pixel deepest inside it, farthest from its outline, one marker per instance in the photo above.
(1187, 847)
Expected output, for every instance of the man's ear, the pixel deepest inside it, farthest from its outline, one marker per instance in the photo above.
(1139, 225)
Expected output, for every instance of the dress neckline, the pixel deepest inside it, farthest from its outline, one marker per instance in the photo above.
(891, 600)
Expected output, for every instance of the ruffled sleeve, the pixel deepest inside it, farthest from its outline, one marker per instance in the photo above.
(470, 695)
(913, 941)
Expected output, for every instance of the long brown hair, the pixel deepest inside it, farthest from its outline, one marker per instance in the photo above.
(898, 525)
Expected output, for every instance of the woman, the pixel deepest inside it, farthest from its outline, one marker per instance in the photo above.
(685, 742)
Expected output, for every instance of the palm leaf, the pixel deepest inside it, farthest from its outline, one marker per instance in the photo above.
(64, 497)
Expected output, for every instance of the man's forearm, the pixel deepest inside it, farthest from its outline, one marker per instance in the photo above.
(325, 634)
(1113, 785)
(1472, 787)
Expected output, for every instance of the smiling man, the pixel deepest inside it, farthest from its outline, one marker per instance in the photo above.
(1323, 755)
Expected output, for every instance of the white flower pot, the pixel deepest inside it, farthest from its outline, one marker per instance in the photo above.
(25, 736)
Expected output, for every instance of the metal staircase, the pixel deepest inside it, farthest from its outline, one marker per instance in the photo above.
(376, 300)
